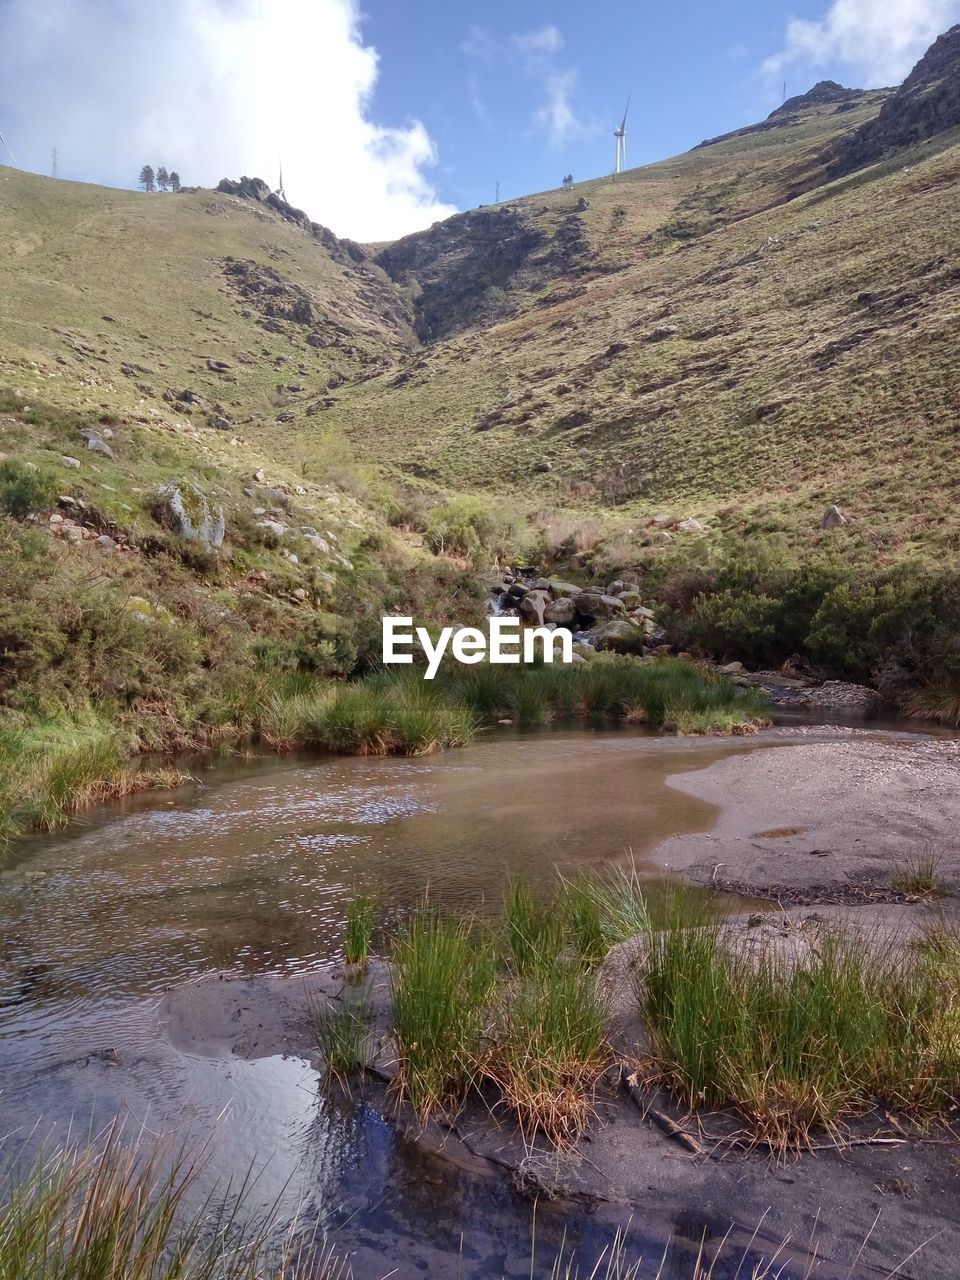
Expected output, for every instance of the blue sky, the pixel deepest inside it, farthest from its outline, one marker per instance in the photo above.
(391, 113)
(483, 79)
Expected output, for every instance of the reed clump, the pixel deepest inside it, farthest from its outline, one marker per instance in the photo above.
(116, 1211)
(361, 922)
(800, 1045)
(48, 777)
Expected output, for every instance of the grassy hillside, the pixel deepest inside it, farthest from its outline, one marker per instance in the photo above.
(728, 335)
(716, 352)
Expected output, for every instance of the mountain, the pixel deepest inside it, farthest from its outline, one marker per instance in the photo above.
(644, 370)
(731, 333)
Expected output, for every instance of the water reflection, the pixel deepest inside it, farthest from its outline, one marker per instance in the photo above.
(251, 875)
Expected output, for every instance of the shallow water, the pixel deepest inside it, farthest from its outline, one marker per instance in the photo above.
(249, 872)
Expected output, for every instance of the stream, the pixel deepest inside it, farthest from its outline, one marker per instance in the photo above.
(248, 872)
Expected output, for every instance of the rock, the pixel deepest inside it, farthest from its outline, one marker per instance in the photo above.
(181, 398)
(55, 518)
(691, 526)
(593, 605)
(98, 445)
(73, 463)
(219, 422)
(630, 598)
(146, 611)
(558, 588)
(517, 590)
(560, 611)
(299, 595)
(663, 332)
(318, 543)
(582, 205)
(72, 532)
(293, 559)
(532, 607)
(541, 468)
(575, 418)
(106, 544)
(618, 636)
(833, 518)
(217, 366)
(259, 475)
(187, 512)
(276, 527)
(731, 668)
(662, 537)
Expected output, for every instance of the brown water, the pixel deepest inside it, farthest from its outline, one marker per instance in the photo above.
(250, 871)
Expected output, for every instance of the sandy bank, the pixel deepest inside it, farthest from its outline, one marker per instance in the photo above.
(823, 820)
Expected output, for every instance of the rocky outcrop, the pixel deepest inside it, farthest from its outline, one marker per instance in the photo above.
(824, 93)
(474, 268)
(825, 96)
(463, 266)
(610, 617)
(186, 510)
(257, 190)
(927, 103)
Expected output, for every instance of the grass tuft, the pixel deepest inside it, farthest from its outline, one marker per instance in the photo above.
(361, 921)
(443, 973)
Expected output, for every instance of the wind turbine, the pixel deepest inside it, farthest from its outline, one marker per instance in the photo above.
(621, 137)
(6, 144)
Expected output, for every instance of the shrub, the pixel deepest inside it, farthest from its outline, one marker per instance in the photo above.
(24, 489)
(475, 528)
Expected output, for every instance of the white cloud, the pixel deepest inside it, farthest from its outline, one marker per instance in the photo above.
(534, 54)
(557, 117)
(216, 88)
(546, 41)
(878, 40)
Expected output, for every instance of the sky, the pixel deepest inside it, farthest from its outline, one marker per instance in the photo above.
(390, 114)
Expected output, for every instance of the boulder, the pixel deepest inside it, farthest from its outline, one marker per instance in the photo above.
(731, 668)
(96, 444)
(833, 518)
(517, 590)
(106, 544)
(560, 611)
(591, 604)
(618, 636)
(559, 589)
(72, 463)
(532, 607)
(691, 526)
(186, 510)
(276, 527)
(318, 543)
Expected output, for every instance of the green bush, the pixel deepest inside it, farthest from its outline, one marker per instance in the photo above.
(24, 489)
(469, 526)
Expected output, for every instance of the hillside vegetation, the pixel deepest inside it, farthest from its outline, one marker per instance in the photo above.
(231, 441)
